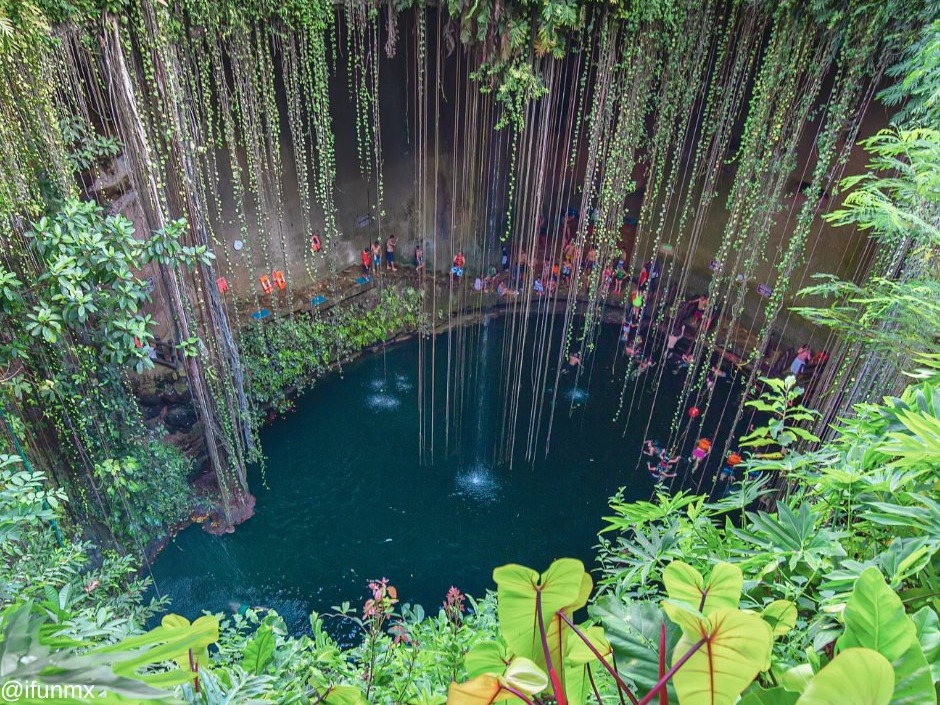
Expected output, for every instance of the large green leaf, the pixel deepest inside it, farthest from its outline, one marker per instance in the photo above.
(578, 658)
(633, 632)
(780, 615)
(736, 648)
(722, 589)
(259, 651)
(913, 684)
(344, 695)
(171, 641)
(564, 587)
(855, 677)
(755, 695)
(522, 675)
(487, 657)
(25, 657)
(796, 679)
(928, 634)
(875, 618)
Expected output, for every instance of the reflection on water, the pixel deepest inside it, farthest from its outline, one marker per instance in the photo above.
(349, 498)
(577, 395)
(382, 402)
(478, 483)
(388, 391)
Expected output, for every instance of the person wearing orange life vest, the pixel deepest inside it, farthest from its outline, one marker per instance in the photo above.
(700, 452)
(456, 271)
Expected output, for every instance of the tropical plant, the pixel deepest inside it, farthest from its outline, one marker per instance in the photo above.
(895, 310)
(288, 354)
(40, 661)
(87, 146)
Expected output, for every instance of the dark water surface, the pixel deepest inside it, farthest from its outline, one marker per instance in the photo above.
(348, 498)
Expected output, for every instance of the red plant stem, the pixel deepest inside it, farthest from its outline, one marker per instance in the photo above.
(518, 694)
(194, 668)
(672, 671)
(556, 685)
(663, 693)
(623, 686)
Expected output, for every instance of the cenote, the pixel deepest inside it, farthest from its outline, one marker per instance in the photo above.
(348, 498)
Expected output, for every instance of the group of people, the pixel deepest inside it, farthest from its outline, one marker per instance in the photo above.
(801, 363)
(664, 460)
(371, 257)
(664, 463)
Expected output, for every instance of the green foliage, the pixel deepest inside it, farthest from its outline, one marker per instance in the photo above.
(780, 401)
(87, 147)
(102, 600)
(147, 494)
(24, 502)
(832, 594)
(88, 284)
(287, 354)
(856, 676)
(918, 90)
(71, 330)
(33, 651)
(898, 201)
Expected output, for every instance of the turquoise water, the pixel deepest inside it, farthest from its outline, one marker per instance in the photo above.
(348, 498)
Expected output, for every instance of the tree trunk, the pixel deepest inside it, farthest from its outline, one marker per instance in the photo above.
(232, 484)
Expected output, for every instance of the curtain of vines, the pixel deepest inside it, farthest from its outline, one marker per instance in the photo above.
(575, 106)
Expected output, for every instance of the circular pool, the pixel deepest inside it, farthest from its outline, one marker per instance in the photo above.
(349, 496)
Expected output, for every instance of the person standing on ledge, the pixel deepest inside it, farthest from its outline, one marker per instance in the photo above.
(366, 261)
(376, 257)
(390, 253)
(419, 258)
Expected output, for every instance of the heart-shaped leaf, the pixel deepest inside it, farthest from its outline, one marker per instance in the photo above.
(875, 618)
(857, 676)
(522, 594)
(722, 589)
(781, 616)
(736, 647)
(487, 657)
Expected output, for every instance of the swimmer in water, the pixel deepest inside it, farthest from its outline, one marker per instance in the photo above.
(573, 361)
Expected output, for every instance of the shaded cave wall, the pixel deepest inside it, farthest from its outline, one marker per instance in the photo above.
(449, 216)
